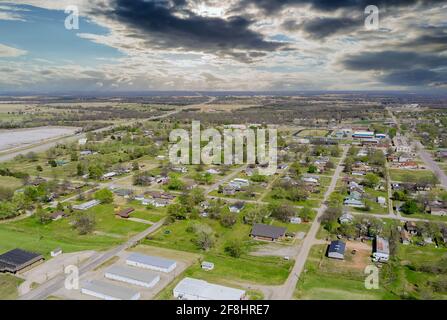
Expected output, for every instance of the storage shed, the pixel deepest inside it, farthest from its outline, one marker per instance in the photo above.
(133, 276)
(195, 289)
(107, 291)
(151, 262)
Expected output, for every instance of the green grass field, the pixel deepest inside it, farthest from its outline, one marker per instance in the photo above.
(8, 286)
(409, 175)
(10, 182)
(30, 235)
(326, 279)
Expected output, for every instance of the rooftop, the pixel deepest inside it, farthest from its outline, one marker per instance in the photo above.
(132, 273)
(208, 291)
(263, 230)
(151, 260)
(111, 290)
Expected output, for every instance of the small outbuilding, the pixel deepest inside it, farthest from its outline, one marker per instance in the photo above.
(337, 250)
(151, 262)
(208, 266)
(125, 213)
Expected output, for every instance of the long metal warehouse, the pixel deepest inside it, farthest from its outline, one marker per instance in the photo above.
(151, 262)
(195, 289)
(133, 276)
(108, 291)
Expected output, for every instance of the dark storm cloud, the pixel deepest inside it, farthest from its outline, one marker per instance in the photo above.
(173, 26)
(393, 60)
(433, 39)
(330, 5)
(417, 77)
(401, 68)
(321, 28)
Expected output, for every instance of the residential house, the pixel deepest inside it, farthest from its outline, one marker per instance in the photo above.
(346, 218)
(267, 232)
(381, 251)
(236, 207)
(411, 227)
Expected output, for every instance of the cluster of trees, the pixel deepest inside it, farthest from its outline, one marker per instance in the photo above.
(289, 191)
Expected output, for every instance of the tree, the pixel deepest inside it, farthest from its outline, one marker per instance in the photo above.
(228, 220)
(52, 163)
(95, 171)
(74, 156)
(104, 196)
(312, 169)
(39, 168)
(80, 170)
(177, 211)
(410, 207)
(84, 223)
(306, 213)
(135, 166)
(371, 180)
(283, 212)
(234, 248)
(204, 240)
(42, 215)
(197, 195)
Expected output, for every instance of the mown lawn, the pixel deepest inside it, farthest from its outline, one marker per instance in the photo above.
(324, 279)
(409, 175)
(10, 182)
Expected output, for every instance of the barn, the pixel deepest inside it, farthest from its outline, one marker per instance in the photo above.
(19, 260)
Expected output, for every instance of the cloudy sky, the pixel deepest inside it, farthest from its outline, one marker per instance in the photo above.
(124, 45)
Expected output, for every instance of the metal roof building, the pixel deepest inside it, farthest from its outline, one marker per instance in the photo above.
(337, 250)
(195, 289)
(108, 291)
(86, 205)
(133, 276)
(16, 260)
(264, 231)
(151, 262)
(381, 249)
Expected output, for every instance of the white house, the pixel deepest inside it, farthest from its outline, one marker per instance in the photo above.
(381, 201)
(381, 251)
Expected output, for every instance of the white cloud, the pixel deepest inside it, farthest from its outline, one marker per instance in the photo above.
(10, 52)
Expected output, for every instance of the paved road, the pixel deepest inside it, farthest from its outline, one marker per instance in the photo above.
(285, 292)
(431, 164)
(53, 285)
